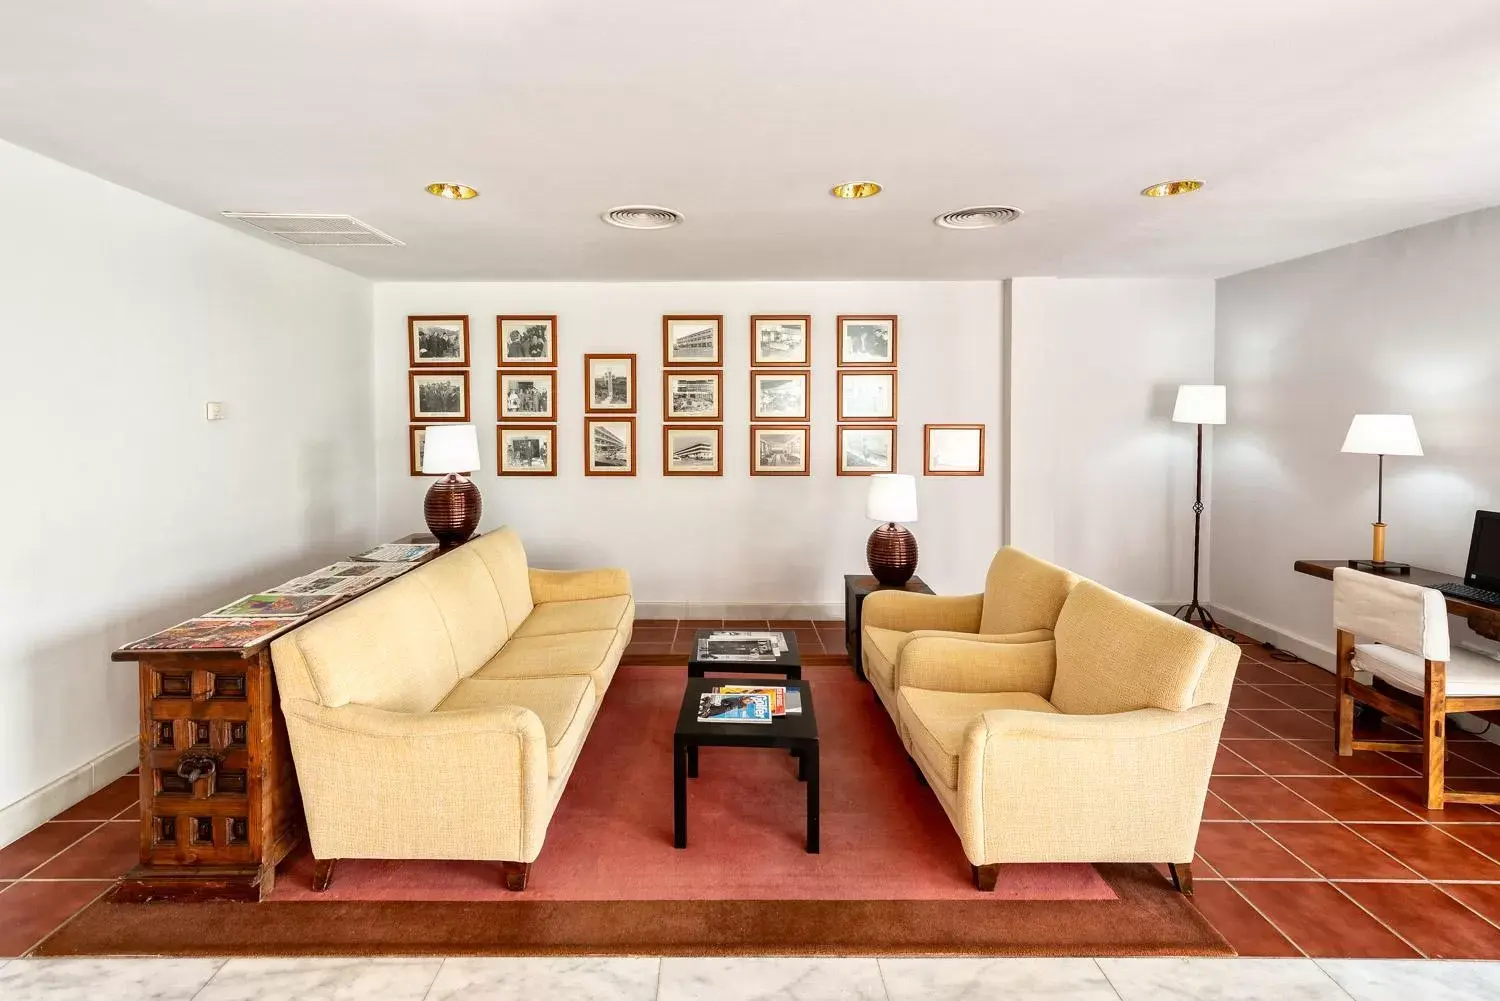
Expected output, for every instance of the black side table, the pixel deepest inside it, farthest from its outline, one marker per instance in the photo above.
(788, 662)
(856, 589)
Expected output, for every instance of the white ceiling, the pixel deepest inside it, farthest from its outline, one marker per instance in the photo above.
(1315, 123)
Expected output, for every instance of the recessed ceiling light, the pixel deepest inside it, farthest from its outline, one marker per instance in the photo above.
(642, 217)
(855, 189)
(447, 189)
(1166, 189)
(978, 217)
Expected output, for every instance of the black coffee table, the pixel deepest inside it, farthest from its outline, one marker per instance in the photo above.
(798, 733)
(788, 662)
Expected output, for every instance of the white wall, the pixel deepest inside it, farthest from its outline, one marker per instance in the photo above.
(125, 510)
(1101, 479)
(736, 540)
(1404, 323)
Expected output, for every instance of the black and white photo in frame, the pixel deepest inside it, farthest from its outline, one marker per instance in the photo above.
(692, 451)
(779, 396)
(439, 396)
(417, 446)
(526, 341)
(692, 340)
(526, 451)
(692, 396)
(609, 446)
(781, 340)
(778, 451)
(609, 382)
(527, 396)
(866, 450)
(438, 341)
(867, 396)
(867, 340)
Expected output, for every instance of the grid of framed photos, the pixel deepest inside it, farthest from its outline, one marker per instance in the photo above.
(780, 394)
(437, 378)
(526, 395)
(609, 406)
(692, 395)
(867, 394)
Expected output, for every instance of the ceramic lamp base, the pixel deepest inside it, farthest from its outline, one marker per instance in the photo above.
(892, 554)
(452, 508)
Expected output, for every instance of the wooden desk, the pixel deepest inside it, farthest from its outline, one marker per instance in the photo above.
(1483, 619)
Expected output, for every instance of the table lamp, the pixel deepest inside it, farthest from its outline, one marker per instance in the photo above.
(892, 550)
(1381, 435)
(453, 503)
(1198, 405)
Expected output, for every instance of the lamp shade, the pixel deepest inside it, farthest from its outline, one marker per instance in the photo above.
(450, 448)
(1383, 434)
(893, 497)
(1199, 405)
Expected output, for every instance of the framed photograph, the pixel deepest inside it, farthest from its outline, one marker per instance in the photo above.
(527, 396)
(438, 341)
(781, 340)
(609, 446)
(779, 396)
(687, 450)
(609, 383)
(778, 450)
(953, 449)
(692, 396)
(864, 450)
(417, 441)
(692, 340)
(526, 341)
(867, 396)
(867, 340)
(438, 396)
(526, 450)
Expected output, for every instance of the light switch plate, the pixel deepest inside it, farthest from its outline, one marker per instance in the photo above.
(213, 411)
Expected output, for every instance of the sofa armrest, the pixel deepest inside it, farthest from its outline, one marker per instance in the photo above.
(906, 611)
(978, 664)
(577, 585)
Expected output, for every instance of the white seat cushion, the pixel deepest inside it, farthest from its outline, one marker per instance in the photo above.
(1468, 673)
(937, 721)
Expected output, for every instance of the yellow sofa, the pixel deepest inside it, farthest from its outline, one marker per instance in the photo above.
(1091, 741)
(440, 716)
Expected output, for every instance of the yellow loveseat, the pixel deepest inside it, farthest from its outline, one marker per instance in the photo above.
(440, 716)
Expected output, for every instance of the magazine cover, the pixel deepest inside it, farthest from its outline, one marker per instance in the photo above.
(775, 694)
(743, 651)
(261, 606)
(733, 708)
(213, 634)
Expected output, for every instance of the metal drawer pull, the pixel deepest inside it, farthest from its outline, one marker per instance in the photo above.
(196, 766)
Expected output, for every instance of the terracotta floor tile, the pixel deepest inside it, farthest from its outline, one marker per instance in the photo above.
(29, 912)
(1253, 672)
(1359, 764)
(657, 622)
(105, 854)
(1240, 851)
(745, 624)
(1411, 793)
(639, 649)
(1300, 696)
(1247, 932)
(106, 802)
(1227, 762)
(656, 634)
(131, 812)
(32, 849)
(1429, 851)
(1292, 724)
(1337, 852)
(682, 646)
(1481, 751)
(1280, 757)
(1215, 808)
(1483, 898)
(1237, 726)
(1458, 766)
(1346, 799)
(699, 623)
(1308, 674)
(791, 624)
(1483, 838)
(1263, 798)
(1438, 925)
(1250, 697)
(1324, 922)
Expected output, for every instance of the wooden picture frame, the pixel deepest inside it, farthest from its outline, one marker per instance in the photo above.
(760, 359)
(548, 359)
(801, 416)
(415, 349)
(846, 407)
(415, 439)
(508, 380)
(930, 456)
(669, 380)
(761, 461)
(590, 402)
(844, 469)
(851, 355)
(673, 464)
(415, 381)
(627, 443)
(505, 464)
(676, 359)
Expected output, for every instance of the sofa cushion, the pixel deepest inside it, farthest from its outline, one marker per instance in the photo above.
(1022, 593)
(881, 647)
(564, 705)
(464, 591)
(936, 722)
(503, 555)
(593, 654)
(553, 617)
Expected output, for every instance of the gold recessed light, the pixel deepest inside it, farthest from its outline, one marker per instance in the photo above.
(855, 189)
(1166, 189)
(447, 189)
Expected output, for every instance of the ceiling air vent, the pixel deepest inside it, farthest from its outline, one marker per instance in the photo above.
(978, 217)
(316, 230)
(642, 217)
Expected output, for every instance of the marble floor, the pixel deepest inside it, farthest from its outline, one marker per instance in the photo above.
(744, 979)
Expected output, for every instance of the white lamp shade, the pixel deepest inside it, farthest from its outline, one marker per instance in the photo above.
(893, 497)
(450, 448)
(1383, 434)
(1199, 405)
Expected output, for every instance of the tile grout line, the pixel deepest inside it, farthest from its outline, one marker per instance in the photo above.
(68, 920)
(1409, 944)
(1105, 973)
(442, 962)
(1332, 979)
(1493, 922)
(72, 844)
(204, 986)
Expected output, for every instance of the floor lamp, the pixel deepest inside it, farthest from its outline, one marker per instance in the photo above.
(1198, 405)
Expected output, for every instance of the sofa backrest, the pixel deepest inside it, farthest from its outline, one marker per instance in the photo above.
(1022, 593)
(503, 554)
(1116, 654)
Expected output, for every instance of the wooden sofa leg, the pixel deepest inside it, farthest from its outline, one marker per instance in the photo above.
(516, 875)
(985, 876)
(1182, 877)
(323, 873)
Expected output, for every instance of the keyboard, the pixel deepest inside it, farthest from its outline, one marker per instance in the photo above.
(1477, 595)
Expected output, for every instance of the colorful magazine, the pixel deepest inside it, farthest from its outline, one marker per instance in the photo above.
(269, 606)
(214, 634)
(775, 694)
(714, 708)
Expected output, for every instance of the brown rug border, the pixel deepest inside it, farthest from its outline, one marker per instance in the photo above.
(1148, 918)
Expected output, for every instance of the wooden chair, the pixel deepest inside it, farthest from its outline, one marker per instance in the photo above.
(1398, 632)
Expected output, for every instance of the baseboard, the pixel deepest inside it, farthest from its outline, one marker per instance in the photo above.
(800, 611)
(30, 812)
(1308, 650)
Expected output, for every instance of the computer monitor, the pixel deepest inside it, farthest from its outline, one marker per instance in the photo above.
(1484, 552)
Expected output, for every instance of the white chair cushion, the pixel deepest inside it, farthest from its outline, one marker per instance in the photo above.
(1468, 673)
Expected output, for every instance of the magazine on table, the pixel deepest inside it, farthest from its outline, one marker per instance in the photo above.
(742, 646)
(784, 701)
(714, 707)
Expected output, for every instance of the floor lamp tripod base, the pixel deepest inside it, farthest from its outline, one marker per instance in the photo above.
(1195, 614)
